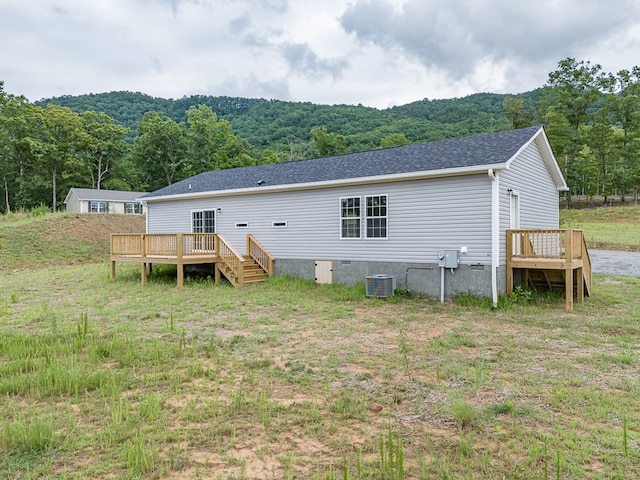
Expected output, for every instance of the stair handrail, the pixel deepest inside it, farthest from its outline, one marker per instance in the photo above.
(231, 258)
(260, 254)
(586, 265)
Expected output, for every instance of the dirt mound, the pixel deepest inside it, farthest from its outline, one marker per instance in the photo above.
(62, 239)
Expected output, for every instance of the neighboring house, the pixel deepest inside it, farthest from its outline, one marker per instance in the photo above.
(388, 211)
(87, 200)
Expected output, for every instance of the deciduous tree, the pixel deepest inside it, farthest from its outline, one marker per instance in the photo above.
(160, 148)
(103, 146)
(326, 143)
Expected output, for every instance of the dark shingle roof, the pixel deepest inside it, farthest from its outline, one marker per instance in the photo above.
(489, 149)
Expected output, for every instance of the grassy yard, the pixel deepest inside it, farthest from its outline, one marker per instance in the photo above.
(102, 379)
(616, 228)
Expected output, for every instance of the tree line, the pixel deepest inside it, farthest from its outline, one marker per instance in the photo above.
(45, 150)
(130, 141)
(592, 119)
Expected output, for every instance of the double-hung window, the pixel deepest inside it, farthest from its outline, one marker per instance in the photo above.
(350, 217)
(98, 207)
(373, 211)
(376, 216)
(133, 208)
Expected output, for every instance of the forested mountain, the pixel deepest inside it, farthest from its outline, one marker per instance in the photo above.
(281, 125)
(131, 141)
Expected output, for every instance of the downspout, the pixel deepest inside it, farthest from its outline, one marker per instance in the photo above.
(145, 209)
(495, 233)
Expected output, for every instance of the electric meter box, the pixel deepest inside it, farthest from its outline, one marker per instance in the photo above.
(448, 258)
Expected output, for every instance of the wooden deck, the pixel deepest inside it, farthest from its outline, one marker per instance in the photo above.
(553, 259)
(191, 249)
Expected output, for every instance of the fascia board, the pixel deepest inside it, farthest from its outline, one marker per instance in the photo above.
(547, 156)
(399, 177)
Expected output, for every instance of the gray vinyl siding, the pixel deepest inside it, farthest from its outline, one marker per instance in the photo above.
(424, 216)
(116, 207)
(529, 176)
(74, 204)
(84, 206)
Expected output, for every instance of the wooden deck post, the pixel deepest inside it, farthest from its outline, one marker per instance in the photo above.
(241, 273)
(143, 254)
(580, 284)
(509, 269)
(112, 267)
(568, 290)
(568, 256)
(180, 259)
(216, 265)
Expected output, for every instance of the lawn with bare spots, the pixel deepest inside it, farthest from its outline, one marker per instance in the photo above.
(294, 380)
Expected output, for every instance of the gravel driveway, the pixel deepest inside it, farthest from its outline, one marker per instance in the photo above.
(614, 262)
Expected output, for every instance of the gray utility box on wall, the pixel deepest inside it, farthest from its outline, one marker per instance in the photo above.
(380, 286)
(448, 258)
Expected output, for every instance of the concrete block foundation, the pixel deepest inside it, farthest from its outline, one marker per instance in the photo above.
(422, 278)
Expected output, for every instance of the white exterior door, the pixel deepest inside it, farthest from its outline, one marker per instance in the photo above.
(514, 211)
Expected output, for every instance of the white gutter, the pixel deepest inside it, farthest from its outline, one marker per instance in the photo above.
(397, 177)
(495, 232)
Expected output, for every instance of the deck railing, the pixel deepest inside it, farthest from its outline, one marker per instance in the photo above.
(199, 243)
(567, 244)
(551, 249)
(177, 245)
(231, 259)
(256, 251)
(188, 248)
(126, 244)
(161, 245)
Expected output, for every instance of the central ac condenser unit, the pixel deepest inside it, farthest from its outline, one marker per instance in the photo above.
(380, 286)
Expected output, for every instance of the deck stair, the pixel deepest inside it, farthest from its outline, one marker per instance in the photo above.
(553, 280)
(550, 259)
(251, 273)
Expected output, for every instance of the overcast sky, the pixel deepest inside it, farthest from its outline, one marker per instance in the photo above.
(377, 53)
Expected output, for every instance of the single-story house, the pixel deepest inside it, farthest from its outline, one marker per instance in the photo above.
(397, 211)
(87, 200)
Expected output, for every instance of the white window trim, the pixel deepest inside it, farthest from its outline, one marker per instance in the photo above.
(359, 237)
(134, 208)
(202, 210)
(97, 202)
(366, 217)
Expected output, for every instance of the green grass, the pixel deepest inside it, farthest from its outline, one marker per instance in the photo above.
(30, 240)
(606, 227)
(112, 379)
(115, 379)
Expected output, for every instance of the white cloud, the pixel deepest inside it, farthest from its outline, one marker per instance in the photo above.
(374, 52)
